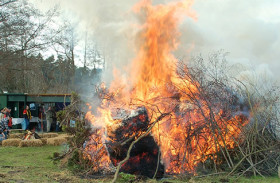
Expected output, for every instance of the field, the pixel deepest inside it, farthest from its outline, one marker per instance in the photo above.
(34, 164)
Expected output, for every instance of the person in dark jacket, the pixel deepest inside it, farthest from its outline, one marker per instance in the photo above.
(4, 129)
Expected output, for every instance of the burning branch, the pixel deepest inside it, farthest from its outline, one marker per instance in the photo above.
(210, 113)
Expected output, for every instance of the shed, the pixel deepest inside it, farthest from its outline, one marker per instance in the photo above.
(18, 101)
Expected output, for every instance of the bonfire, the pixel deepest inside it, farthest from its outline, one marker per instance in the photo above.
(161, 120)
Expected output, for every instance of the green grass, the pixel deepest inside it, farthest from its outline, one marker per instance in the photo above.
(33, 164)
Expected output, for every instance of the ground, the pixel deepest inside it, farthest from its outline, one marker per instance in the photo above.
(33, 164)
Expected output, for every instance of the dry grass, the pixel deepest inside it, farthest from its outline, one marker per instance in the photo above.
(11, 142)
(56, 141)
(49, 135)
(31, 143)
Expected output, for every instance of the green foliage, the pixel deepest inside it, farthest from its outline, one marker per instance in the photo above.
(80, 134)
(124, 177)
(61, 115)
(73, 161)
(74, 158)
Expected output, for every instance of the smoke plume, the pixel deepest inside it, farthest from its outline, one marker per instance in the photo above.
(246, 29)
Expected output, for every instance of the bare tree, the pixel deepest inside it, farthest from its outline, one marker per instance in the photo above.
(24, 31)
(5, 2)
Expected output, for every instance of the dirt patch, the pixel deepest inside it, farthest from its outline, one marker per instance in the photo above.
(14, 172)
(62, 177)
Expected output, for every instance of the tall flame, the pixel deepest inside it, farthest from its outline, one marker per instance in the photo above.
(157, 85)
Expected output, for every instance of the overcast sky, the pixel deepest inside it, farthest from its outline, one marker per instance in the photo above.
(248, 29)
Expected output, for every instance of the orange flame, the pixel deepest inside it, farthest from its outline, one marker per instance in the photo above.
(156, 82)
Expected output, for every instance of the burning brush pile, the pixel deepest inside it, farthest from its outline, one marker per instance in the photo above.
(170, 118)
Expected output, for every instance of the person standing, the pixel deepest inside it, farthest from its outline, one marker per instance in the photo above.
(27, 116)
(4, 129)
(2, 113)
(8, 114)
(42, 117)
(49, 116)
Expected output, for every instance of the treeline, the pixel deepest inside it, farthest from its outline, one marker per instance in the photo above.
(38, 53)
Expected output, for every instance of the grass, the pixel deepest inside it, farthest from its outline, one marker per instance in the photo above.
(33, 164)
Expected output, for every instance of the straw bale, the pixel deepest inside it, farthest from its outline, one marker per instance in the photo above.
(66, 136)
(16, 135)
(56, 141)
(44, 141)
(49, 135)
(31, 143)
(11, 142)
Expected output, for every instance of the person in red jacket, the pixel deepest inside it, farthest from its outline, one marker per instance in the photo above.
(27, 116)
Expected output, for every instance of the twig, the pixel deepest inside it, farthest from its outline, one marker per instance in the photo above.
(247, 155)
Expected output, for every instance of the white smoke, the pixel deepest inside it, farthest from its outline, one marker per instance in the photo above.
(246, 29)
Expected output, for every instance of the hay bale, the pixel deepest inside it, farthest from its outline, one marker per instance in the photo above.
(31, 143)
(44, 141)
(11, 142)
(56, 141)
(66, 136)
(16, 135)
(49, 135)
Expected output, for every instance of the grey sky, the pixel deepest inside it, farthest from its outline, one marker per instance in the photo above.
(248, 29)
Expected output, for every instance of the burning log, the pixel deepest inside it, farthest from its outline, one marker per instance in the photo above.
(144, 154)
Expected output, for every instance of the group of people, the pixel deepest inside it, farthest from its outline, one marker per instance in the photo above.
(49, 115)
(5, 123)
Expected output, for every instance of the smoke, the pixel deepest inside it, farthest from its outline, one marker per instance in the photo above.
(246, 29)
